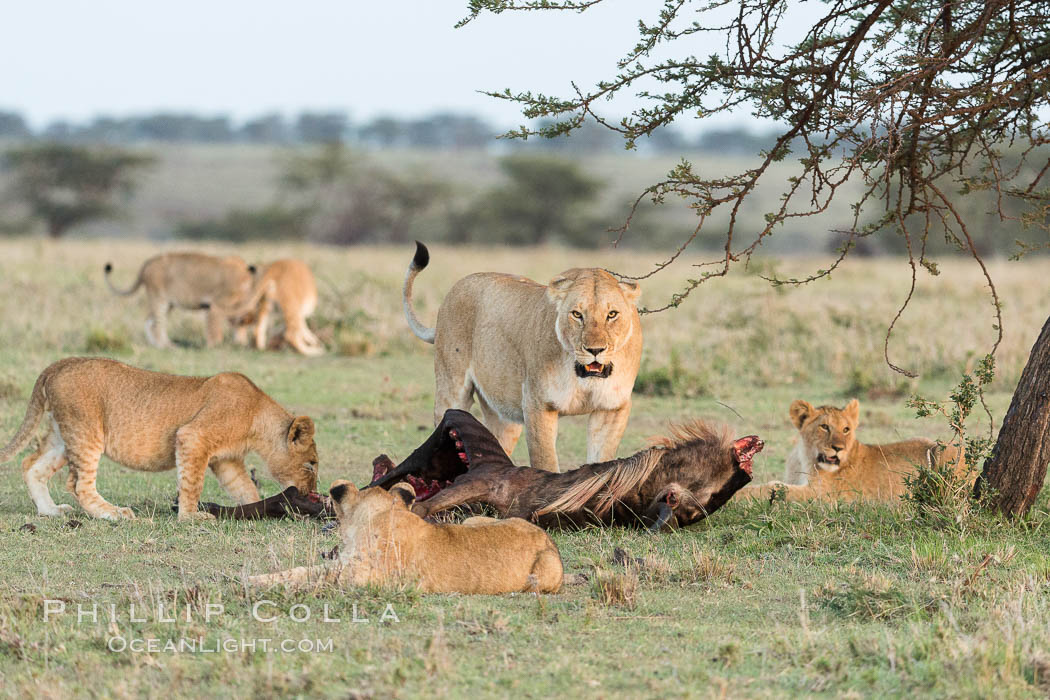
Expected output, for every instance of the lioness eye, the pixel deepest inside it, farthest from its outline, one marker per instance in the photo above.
(613, 314)
(846, 429)
(825, 427)
(577, 314)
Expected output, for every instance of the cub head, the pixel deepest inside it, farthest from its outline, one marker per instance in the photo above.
(295, 463)
(828, 433)
(346, 497)
(597, 315)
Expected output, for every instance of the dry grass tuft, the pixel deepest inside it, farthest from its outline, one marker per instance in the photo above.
(618, 588)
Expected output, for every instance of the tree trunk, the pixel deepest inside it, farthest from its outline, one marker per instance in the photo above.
(1017, 466)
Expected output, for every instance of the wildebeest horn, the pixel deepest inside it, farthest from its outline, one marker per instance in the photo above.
(662, 517)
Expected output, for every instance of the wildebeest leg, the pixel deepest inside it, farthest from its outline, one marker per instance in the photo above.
(463, 492)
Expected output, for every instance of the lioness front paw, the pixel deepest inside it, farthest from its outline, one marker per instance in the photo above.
(197, 515)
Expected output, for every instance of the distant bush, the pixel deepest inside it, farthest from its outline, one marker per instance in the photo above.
(272, 223)
(101, 340)
(672, 380)
(544, 200)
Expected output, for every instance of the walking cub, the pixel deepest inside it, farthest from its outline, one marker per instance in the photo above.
(153, 422)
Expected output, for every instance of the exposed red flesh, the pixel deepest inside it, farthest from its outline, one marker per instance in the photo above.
(745, 449)
(314, 496)
(423, 489)
(380, 466)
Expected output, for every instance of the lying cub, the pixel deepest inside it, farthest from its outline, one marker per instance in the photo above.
(830, 463)
(384, 543)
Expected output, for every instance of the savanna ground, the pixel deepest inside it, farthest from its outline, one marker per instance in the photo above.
(757, 601)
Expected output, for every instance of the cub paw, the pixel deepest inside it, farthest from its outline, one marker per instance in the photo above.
(117, 513)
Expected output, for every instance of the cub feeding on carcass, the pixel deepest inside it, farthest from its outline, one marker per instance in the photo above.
(680, 480)
(533, 352)
(193, 281)
(829, 462)
(290, 285)
(153, 421)
(384, 543)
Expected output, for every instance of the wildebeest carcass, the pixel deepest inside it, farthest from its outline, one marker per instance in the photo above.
(679, 480)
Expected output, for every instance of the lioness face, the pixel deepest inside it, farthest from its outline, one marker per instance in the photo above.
(596, 315)
(296, 464)
(827, 433)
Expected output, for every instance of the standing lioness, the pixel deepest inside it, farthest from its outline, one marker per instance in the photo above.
(152, 421)
(533, 353)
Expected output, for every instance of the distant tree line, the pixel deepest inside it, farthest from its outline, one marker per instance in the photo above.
(437, 131)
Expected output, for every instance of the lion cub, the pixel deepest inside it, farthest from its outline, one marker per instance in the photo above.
(153, 422)
(290, 285)
(828, 461)
(193, 281)
(384, 543)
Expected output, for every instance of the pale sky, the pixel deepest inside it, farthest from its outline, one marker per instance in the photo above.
(75, 59)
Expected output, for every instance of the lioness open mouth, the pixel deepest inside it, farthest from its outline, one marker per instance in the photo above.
(594, 369)
(825, 459)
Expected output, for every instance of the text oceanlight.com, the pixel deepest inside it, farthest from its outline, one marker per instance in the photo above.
(200, 645)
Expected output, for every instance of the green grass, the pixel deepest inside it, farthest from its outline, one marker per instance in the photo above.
(758, 601)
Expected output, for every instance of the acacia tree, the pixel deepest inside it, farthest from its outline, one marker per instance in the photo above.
(67, 185)
(920, 101)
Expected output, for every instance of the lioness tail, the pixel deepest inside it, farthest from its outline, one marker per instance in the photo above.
(122, 292)
(419, 261)
(35, 409)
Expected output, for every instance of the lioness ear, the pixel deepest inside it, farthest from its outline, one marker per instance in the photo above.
(558, 287)
(301, 431)
(630, 290)
(800, 410)
(405, 492)
(852, 411)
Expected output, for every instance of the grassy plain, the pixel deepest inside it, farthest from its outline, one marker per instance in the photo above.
(758, 601)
